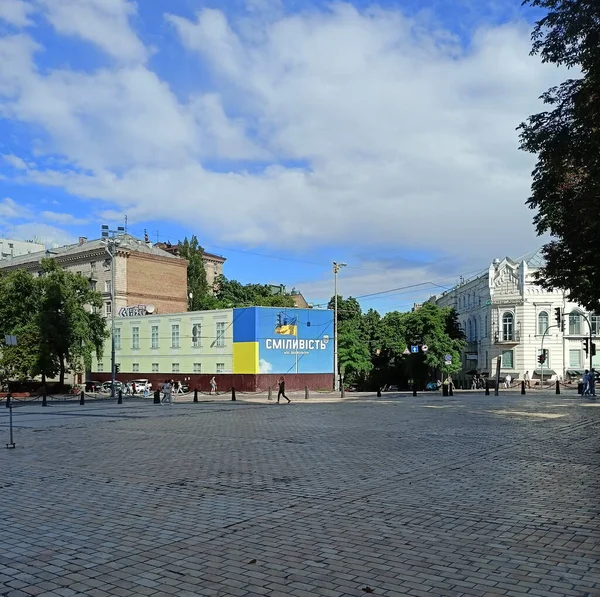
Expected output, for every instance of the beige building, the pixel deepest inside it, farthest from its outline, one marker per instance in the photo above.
(145, 275)
(213, 264)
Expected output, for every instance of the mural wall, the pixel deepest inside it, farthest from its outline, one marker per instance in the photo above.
(271, 340)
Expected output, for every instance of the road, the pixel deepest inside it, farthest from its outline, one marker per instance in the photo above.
(467, 495)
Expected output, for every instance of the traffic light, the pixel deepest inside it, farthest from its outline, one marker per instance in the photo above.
(559, 318)
(117, 368)
(542, 359)
(586, 346)
(593, 349)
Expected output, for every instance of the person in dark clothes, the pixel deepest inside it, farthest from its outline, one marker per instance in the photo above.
(282, 390)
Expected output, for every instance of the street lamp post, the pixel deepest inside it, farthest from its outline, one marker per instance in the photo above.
(111, 242)
(336, 370)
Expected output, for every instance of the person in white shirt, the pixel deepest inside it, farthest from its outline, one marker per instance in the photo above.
(527, 380)
(507, 381)
(166, 389)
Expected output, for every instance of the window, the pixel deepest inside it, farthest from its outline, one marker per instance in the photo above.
(595, 321)
(93, 266)
(508, 327)
(507, 359)
(117, 335)
(475, 334)
(574, 323)
(174, 336)
(154, 337)
(220, 367)
(220, 334)
(135, 367)
(108, 308)
(470, 334)
(100, 366)
(93, 285)
(108, 286)
(197, 367)
(486, 328)
(543, 324)
(135, 338)
(154, 367)
(174, 367)
(575, 358)
(196, 335)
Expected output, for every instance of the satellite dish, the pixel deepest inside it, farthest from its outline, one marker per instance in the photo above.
(149, 308)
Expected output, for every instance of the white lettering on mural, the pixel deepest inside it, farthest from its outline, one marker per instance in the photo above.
(302, 345)
(136, 311)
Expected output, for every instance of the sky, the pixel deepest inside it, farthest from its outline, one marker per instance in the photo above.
(284, 134)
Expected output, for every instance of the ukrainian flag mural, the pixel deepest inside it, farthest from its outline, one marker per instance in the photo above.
(281, 341)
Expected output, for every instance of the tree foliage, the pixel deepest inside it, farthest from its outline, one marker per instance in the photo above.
(566, 139)
(197, 284)
(56, 318)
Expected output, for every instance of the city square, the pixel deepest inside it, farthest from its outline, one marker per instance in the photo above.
(398, 495)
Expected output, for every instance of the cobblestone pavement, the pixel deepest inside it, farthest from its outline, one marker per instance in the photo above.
(468, 495)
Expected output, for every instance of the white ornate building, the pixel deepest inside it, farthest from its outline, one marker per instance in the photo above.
(505, 314)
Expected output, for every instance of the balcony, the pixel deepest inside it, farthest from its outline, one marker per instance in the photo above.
(507, 339)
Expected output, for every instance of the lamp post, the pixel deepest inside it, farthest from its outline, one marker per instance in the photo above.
(111, 241)
(336, 372)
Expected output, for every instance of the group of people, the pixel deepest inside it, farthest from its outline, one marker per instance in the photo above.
(169, 388)
(589, 383)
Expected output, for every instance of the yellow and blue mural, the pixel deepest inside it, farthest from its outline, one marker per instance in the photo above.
(282, 341)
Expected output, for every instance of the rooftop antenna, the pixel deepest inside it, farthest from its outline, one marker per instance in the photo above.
(125, 224)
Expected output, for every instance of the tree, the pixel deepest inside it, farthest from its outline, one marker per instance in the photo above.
(197, 285)
(566, 139)
(231, 293)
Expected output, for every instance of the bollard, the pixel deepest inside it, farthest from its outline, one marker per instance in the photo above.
(11, 444)
(157, 397)
(379, 393)
(195, 394)
(270, 394)
(233, 398)
(305, 392)
(120, 398)
(342, 391)
(557, 386)
(414, 388)
(522, 387)
(450, 390)
(44, 398)
(580, 389)
(487, 387)
(82, 398)
(445, 389)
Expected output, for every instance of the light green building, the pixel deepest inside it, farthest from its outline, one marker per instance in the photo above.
(193, 342)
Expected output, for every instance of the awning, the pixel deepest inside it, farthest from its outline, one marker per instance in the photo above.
(546, 372)
(575, 372)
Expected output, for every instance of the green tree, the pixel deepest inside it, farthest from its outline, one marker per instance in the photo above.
(231, 293)
(197, 285)
(566, 139)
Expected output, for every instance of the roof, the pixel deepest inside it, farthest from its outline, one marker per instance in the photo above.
(128, 242)
(174, 250)
(535, 259)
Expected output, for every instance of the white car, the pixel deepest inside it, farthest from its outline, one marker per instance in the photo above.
(141, 385)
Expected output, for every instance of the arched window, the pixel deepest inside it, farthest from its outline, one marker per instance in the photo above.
(470, 335)
(508, 327)
(542, 322)
(575, 323)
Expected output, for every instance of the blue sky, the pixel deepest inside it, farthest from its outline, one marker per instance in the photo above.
(284, 134)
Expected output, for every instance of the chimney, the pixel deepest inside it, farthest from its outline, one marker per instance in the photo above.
(82, 240)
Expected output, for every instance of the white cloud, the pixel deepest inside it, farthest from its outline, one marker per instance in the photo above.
(104, 23)
(15, 161)
(16, 12)
(11, 210)
(63, 218)
(397, 135)
(264, 366)
(49, 235)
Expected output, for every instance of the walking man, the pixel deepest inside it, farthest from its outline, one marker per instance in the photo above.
(213, 385)
(586, 383)
(166, 389)
(527, 380)
(507, 381)
(282, 390)
(592, 386)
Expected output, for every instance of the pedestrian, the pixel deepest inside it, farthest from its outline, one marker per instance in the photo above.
(133, 388)
(507, 380)
(592, 377)
(166, 389)
(179, 390)
(213, 385)
(586, 383)
(282, 390)
(527, 380)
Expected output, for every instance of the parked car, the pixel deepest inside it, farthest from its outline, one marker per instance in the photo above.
(141, 385)
(106, 386)
(93, 386)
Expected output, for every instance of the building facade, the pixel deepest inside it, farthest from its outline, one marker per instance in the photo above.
(10, 248)
(213, 264)
(145, 276)
(506, 316)
(248, 348)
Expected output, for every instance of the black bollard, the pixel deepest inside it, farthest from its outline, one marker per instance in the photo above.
(82, 398)
(523, 387)
(44, 398)
(557, 386)
(580, 389)
(487, 387)
(450, 390)
(120, 398)
(414, 389)
(195, 394)
(379, 393)
(445, 389)
(270, 394)
(157, 397)
(343, 391)
(233, 398)
(8, 401)
(305, 392)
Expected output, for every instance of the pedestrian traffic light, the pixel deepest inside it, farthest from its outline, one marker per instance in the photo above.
(117, 368)
(542, 359)
(559, 318)
(593, 345)
(586, 346)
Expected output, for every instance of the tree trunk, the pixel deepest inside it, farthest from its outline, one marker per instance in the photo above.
(61, 379)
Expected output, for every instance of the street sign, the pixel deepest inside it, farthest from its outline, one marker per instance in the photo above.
(406, 351)
(448, 362)
(414, 349)
(448, 358)
(424, 348)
